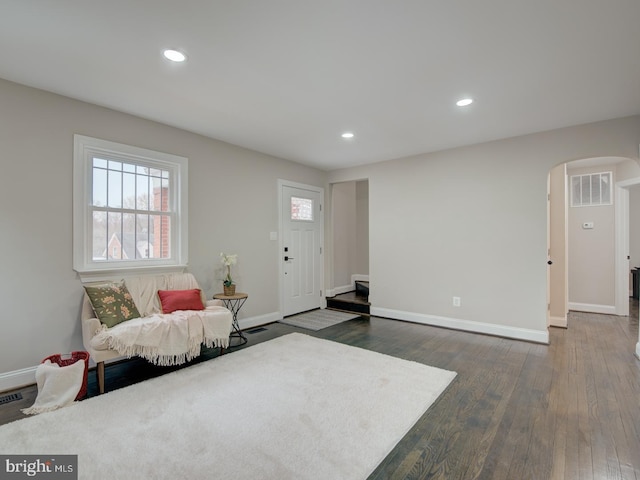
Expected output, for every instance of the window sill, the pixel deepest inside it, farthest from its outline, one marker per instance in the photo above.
(111, 274)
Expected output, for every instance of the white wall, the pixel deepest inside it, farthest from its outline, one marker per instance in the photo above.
(343, 219)
(362, 228)
(232, 208)
(471, 222)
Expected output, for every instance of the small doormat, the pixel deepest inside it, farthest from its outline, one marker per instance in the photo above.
(318, 319)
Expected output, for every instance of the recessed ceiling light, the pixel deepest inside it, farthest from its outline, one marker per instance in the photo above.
(464, 102)
(174, 55)
(347, 135)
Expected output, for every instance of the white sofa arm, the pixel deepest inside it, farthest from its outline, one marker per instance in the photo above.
(89, 328)
(214, 303)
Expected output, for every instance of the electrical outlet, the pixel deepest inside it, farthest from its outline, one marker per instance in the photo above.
(456, 301)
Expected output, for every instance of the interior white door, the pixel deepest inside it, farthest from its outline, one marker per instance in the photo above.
(302, 230)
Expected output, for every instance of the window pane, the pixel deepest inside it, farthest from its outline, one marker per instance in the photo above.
(128, 236)
(586, 190)
(166, 197)
(128, 167)
(142, 192)
(161, 235)
(128, 190)
(605, 188)
(595, 190)
(301, 209)
(144, 241)
(99, 187)
(165, 238)
(154, 172)
(114, 196)
(99, 242)
(576, 197)
(99, 162)
(114, 234)
(115, 165)
(160, 198)
(156, 198)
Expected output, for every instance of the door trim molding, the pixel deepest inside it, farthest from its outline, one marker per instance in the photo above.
(622, 245)
(281, 290)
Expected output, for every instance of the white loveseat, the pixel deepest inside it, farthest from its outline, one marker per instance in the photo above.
(144, 292)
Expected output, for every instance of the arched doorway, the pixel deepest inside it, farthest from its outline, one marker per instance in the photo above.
(589, 244)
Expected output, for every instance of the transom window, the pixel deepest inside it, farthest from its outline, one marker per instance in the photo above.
(133, 209)
(591, 189)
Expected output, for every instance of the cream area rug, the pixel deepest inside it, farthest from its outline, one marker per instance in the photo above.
(295, 407)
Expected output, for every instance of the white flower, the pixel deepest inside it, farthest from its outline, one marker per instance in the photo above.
(227, 259)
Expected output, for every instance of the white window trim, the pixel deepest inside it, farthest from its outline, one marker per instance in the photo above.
(84, 150)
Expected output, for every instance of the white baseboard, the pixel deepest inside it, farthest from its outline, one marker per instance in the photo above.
(17, 378)
(537, 336)
(558, 322)
(591, 308)
(251, 322)
(338, 290)
(348, 288)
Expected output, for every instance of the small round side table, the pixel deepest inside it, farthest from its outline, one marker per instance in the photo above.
(234, 303)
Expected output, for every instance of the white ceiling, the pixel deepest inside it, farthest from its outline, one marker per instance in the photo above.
(287, 77)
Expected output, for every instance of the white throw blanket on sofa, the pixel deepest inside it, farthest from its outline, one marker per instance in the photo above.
(161, 338)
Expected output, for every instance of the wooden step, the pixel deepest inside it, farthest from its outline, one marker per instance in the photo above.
(349, 302)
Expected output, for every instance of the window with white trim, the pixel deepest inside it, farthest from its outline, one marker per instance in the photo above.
(591, 189)
(129, 207)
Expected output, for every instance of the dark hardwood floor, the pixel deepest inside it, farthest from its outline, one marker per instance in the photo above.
(516, 410)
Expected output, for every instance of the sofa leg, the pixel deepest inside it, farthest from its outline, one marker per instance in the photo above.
(100, 373)
(221, 350)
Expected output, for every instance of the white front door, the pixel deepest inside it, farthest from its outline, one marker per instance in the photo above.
(301, 247)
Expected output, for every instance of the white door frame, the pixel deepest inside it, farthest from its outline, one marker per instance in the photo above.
(622, 245)
(286, 183)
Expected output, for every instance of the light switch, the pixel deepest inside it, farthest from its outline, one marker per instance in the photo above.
(587, 225)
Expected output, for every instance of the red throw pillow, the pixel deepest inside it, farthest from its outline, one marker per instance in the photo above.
(172, 300)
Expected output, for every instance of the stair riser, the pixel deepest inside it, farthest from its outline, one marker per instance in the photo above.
(347, 306)
(362, 289)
